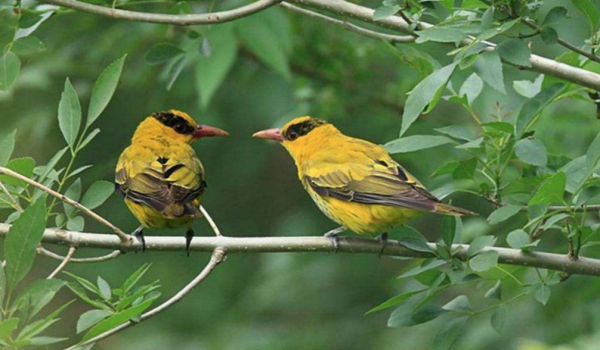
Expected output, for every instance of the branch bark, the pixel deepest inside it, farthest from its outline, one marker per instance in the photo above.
(182, 20)
(560, 262)
(540, 64)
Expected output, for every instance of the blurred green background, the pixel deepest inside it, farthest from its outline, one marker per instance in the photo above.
(283, 301)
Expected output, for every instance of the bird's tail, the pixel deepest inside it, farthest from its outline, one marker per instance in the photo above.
(447, 209)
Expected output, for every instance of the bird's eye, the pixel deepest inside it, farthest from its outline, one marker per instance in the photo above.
(293, 135)
(180, 128)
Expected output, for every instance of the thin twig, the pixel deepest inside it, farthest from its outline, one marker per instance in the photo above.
(211, 222)
(12, 199)
(112, 255)
(217, 257)
(125, 238)
(561, 42)
(183, 20)
(349, 26)
(64, 263)
(312, 244)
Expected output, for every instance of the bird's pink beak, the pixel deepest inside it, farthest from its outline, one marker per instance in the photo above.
(271, 134)
(208, 131)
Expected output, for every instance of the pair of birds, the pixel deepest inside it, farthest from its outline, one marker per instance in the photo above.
(354, 182)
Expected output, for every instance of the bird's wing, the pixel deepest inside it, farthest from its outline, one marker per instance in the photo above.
(161, 182)
(369, 177)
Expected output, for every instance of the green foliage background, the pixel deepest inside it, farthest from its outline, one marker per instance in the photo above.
(285, 66)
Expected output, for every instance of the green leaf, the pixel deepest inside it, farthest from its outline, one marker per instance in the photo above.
(553, 220)
(402, 316)
(74, 193)
(420, 61)
(465, 169)
(89, 138)
(532, 151)
(161, 53)
(518, 239)
(135, 278)
(415, 244)
(398, 299)
(427, 265)
(555, 15)
(471, 144)
(495, 292)
(489, 68)
(479, 243)
(7, 327)
(459, 132)
(423, 94)
(22, 240)
(40, 341)
(45, 170)
(499, 318)
(104, 89)
(91, 318)
(7, 145)
(503, 213)
(415, 143)
(484, 261)
(117, 319)
(593, 155)
(385, 12)
(69, 114)
(448, 230)
(549, 35)
(528, 89)
(551, 190)
(175, 70)
(28, 45)
(40, 293)
(7, 35)
(515, 51)
(262, 39)
(535, 106)
(104, 288)
(97, 194)
(441, 35)
(449, 333)
(23, 166)
(426, 313)
(542, 294)
(211, 71)
(3, 285)
(471, 88)
(460, 303)
(10, 66)
(589, 10)
(500, 126)
(76, 224)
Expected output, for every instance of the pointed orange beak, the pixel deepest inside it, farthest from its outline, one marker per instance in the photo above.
(271, 134)
(208, 131)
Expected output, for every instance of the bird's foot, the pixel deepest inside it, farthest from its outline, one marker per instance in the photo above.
(383, 239)
(189, 234)
(139, 234)
(332, 235)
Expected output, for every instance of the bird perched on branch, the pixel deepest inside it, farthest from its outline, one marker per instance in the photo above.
(160, 175)
(354, 182)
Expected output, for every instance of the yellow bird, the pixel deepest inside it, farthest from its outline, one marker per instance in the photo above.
(160, 175)
(354, 182)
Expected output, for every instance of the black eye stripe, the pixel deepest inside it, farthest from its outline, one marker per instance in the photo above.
(303, 128)
(176, 122)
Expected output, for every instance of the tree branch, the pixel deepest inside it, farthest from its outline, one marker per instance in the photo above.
(349, 26)
(217, 257)
(182, 20)
(582, 266)
(540, 64)
(64, 263)
(112, 255)
(122, 235)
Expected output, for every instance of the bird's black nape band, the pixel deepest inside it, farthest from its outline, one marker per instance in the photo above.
(302, 128)
(178, 123)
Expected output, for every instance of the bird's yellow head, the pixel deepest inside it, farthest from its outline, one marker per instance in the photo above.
(176, 125)
(300, 135)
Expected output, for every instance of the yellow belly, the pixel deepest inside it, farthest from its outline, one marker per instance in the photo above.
(363, 218)
(151, 218)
